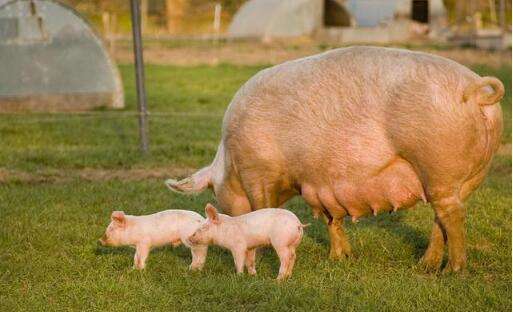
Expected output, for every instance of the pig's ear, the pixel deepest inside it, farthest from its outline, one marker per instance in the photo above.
(118, 217)
(211, 213)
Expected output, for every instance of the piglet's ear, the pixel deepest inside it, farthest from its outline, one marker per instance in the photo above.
(118, 217)
(211, 213)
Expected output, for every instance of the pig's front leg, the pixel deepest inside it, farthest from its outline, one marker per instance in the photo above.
(250, 261)
(199, 254)
(239, 257)
(141, 253)
(339, 244)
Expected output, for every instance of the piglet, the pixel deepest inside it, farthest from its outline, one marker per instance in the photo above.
(158, 229)
(243, 234)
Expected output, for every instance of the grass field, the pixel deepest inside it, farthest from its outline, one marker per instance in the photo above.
(50, 219)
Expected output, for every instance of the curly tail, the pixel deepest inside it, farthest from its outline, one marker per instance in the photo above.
(485, 91)
(194, 184)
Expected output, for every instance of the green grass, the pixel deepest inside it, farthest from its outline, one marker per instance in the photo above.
(49, 259)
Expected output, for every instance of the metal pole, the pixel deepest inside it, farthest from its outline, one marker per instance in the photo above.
(502, 16)
(139, 75)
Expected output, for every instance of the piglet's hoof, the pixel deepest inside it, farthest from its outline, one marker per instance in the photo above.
(281, 279)
(195, 268)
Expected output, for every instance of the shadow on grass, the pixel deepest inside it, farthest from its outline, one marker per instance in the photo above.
(102, 250)
(180, 251)
(391, 223)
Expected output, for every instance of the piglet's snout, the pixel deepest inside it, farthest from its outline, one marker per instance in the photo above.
(103, 240)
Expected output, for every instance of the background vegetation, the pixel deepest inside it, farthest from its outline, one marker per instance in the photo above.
(186, 17)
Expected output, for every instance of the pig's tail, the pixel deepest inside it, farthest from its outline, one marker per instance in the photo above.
(477, 92)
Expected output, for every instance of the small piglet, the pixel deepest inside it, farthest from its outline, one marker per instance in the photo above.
(243, 234)
(158, 229)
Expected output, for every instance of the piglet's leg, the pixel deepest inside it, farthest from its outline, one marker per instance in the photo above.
(199, 254)
(284, 253)
(292, 261)
(141, 253)
(250, 261)
(239, 257)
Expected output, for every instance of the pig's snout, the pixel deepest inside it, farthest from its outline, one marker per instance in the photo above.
(193, 239)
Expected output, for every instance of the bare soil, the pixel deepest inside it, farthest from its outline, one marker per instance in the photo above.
(91, 174)
(258, 53)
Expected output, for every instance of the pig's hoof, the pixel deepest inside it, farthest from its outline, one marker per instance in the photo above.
(336, 255)
(252, 272)
(458, 268)
(430, 265)
(281, 278)
(195, 268)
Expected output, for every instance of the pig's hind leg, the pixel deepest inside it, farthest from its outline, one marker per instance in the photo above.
(432, 259)
(451, 214)
(448, 229)
(285, 254)
(262, 193)
(292, 248)
(231, 196)
(292, 261)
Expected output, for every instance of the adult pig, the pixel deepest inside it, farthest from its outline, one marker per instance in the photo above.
(356, 131)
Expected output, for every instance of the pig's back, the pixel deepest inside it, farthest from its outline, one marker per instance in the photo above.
(263, 222)
(170, 225)
(341, 100)
(177, 215)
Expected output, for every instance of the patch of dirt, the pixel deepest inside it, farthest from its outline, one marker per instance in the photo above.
(91, 174)
(258, 53)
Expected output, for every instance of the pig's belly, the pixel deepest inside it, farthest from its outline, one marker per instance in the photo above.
(393, 186)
